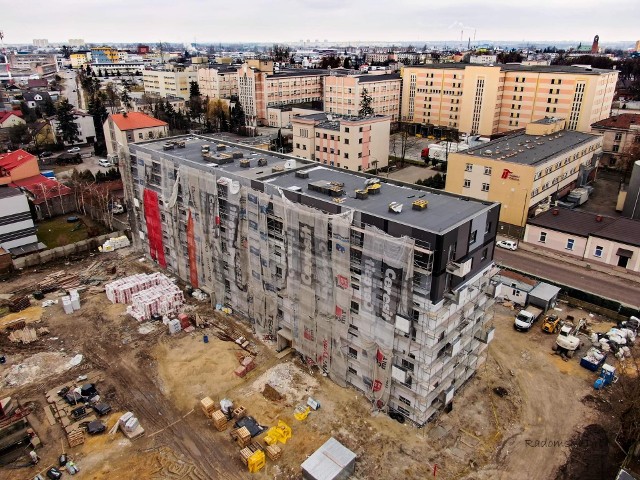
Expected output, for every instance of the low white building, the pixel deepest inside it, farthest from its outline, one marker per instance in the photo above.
(86, 129)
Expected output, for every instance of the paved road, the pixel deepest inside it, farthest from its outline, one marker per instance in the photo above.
(69, 89)
(608, 286)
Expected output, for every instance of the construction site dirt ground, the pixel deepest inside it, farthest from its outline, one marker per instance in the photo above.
(161, 379)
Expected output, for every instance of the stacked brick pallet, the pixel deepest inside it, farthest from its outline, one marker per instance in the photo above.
(147, 295)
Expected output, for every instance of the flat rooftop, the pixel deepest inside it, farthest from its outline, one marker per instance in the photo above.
(191, 155)
(444, 211)
(526, 149)
(516, 67)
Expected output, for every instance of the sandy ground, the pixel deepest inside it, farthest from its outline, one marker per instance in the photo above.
(161, 378)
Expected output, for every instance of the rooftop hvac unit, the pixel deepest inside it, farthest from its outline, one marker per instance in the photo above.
(221, 147)
(420, 205)
(289, 164)
(262, 162)
(205, 149)
(277, 168)
(374, 188)
(362, 194)
(333, 189)
(245, 163)
(302, 174)
(395, 207)
(237, 154)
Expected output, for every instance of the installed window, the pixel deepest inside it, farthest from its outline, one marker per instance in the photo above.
(598, 251)
(543, 237)
(485, 187)
(473, 237)
(468, 167)
(487, 170)
(570, 242)
(467, 183)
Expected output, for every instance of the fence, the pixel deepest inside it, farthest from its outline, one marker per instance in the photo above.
(64, 251)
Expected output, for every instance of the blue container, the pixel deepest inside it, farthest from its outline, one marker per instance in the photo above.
(206, 339)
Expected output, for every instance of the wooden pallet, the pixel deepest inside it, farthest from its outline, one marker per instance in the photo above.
(274, 452)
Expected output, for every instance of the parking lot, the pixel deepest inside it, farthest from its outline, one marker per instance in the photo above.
(89, 162)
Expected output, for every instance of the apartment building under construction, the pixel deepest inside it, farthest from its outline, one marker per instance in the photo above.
(382, 285)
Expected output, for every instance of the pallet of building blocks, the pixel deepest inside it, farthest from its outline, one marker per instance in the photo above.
(208, 406)
(75, 437)
(242, 436)
(274, 452)
(238, 412)
(219, 420)
(122, 290)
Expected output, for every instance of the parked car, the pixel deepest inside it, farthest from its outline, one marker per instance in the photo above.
(45, 154)
(103, 162)
(74, 150)
(508, 244)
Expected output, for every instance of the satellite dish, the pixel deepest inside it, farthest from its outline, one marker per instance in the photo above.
(235, 187)
(290, 164)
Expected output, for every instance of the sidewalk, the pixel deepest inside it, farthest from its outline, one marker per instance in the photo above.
(593, 266)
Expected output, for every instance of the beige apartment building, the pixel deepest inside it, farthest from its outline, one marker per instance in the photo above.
(343, 93)
(260, 88)
(486, 100)
(620, 134)
(218, 82)
(120, 130)
(163, 83)
(525, 169)
(352, 143)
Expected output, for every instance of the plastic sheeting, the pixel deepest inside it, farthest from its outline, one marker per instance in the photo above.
(154, 226)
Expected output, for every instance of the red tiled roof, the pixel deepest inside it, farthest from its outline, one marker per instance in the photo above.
(9, 161)
(622, 122)
(135, 120)
(42, 187)
(5, 115)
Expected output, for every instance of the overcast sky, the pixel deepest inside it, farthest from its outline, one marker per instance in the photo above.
(151, 21)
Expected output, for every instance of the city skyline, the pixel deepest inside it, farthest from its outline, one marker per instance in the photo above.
(337, 22)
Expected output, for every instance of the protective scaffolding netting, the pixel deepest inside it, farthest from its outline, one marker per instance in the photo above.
(288, 267)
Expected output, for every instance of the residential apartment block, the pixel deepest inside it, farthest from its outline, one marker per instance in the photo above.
(394, 302)
(218, 82)
(525, 169)
(352, 143)
(342, 94)
(621, 134)
(486, 100)
(104, 55)
(259, 88)
(587, 236)
(163, 83)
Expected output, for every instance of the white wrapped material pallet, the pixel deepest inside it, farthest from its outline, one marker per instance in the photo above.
(114, 243)
(174, 326)
(66, 305)
(75, 299)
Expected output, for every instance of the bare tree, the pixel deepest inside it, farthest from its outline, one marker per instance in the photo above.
(402, 141)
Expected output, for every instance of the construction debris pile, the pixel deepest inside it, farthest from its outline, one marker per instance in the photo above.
(148, 295)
